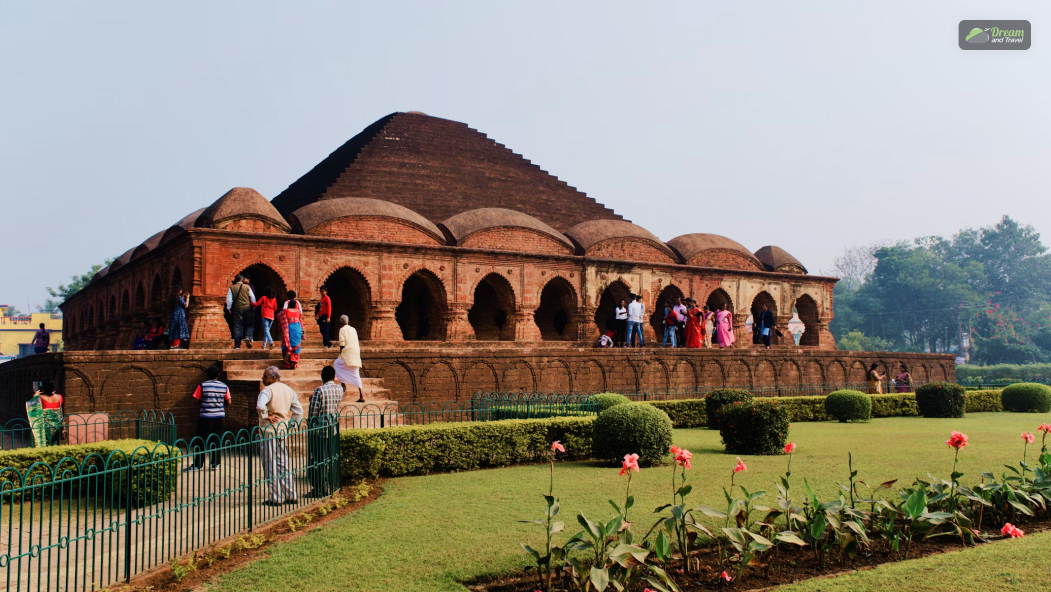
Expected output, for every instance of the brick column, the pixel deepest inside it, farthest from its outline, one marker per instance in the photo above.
(782, 324)
(744, 337)
(383, 326)
(457, 327)
(826, 340)
(585, 320)
(206, 320)
(525, 326)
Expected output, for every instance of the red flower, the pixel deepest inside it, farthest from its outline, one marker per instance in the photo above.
(1012, 531)
(631, 463)
(557, 445)
(740, 467)
(726, 576)
(1046, 428)
(1027, 437)
(675, 450)
(957, 440)
(790, 448)
(683, 458)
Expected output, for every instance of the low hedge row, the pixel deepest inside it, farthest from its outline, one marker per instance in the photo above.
(150, 483)
(445, 447)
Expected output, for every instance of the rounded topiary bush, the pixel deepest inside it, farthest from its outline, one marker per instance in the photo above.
(1026, 397)
(719, 397)
(607, 400)
(848, 405)
(632, 428)
(754, 427)
(941, 399)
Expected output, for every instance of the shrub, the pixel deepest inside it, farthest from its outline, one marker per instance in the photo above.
(607, 400)
(848, 405)
(941, 399)
(686, 413)
(802, 408)
(719, 397)
(106, 462)
(635, 428)
(443, 447)
(894, 405)
(755, 427)
(1026, 397)
(985, 400)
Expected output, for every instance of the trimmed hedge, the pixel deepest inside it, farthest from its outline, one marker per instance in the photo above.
(635, 428)
(720, 397)
(941, 399)
(983, 401)
(755, 427)
(848, 405)
(444, 447)
(686, 413)
(607, 400)
(150, 484)
(1026, 397)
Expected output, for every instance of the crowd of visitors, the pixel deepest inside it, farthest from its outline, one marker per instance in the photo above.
(684, 323)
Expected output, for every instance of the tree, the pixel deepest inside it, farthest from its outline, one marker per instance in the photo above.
(63, 292)
(855, 264)
(858, 341)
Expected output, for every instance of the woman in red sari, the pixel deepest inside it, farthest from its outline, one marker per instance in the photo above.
(290, 321)
(694, 317)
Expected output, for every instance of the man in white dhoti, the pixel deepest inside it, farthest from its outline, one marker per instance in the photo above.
(348, 363)
(277, 405)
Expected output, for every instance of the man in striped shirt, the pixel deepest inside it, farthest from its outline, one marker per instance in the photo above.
(322, 461)
(214, 397)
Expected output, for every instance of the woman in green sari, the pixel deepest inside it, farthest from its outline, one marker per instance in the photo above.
(44, 411)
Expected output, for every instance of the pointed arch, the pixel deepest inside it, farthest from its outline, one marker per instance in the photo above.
(808, 314)
(556, 315)
(351, 295)
(157, 290)
(492, 314)
(763, 298)
(421, 313)
(716, 299)
(671, 293)
(140, 296)
(605, 314)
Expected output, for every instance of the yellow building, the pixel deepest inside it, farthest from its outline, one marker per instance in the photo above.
(16, 333)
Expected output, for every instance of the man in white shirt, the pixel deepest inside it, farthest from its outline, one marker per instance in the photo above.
(277, 405)
(680, 326)
(636, 312)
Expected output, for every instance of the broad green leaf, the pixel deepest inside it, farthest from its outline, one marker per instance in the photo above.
(629, 555)
(557, 527)
(685, 490)
(659, 509)
(662, 547)
(592, 528)
(817, 527)
(531, 551)
(789, 537)
(710, 512)
(599, 578)
(1021, 507)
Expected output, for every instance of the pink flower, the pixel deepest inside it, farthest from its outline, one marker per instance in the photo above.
(740, 467)
(726, 576)
(683, 457)
(1046, 428)
(1012, 531)
(557, 445)
(790, 448)
(631, 463)
(1028, 437)
(675, 450)
(957, 440)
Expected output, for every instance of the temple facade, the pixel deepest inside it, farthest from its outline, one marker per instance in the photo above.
(423, 229)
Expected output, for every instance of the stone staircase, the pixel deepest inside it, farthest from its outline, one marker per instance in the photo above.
(378, 410)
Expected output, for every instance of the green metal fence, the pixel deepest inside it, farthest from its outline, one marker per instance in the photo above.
(158, 426)
(978, 383)
(481, 407)
(95, 522)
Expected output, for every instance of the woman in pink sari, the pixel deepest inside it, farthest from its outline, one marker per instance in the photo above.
(724, 325)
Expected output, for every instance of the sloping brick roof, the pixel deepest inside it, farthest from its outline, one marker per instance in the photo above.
(440, 168)
(777, 259)
(467, 223)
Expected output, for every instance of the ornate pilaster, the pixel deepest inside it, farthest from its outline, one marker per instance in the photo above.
(383, 325)
(457, 327)
(526, 329)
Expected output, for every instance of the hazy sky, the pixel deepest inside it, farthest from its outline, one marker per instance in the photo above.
(809, 125)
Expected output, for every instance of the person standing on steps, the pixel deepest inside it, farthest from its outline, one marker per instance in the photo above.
(765, 325)
(239, 301)
(324, 316)
(277, 405)
(724, 321)
(671, 323)
(323, 423)
(178, 330)
(267, 309)
(620, 325)
(214, 397)
(636, 312)
(680, 326)
(348, 364)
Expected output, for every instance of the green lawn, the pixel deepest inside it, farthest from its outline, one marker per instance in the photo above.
(426, 533)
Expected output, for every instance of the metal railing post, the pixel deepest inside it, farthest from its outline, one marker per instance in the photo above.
(251, 484)
(127, 518)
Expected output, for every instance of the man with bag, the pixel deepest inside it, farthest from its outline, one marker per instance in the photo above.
(240, 301)
(765, 325)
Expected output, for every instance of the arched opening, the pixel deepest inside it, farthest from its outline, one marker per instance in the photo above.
(156, 292)
(716, 300)
(140, 297)
(73, 324)
(807, 310)
(351, 296)
(607, 304)
(557, 311)
(125, 305)
(91, 318)
(177, 278)
(421, 314)
(492, 314)
(263, 279)
(111, 313)
(757, 308)
(669, 294)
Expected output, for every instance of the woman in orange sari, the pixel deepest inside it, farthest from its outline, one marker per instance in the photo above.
(694, 317)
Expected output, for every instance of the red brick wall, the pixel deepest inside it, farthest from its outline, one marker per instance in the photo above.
(629, 250)
(248, 225)
(723, 259)
(515, 239)
(374, 228)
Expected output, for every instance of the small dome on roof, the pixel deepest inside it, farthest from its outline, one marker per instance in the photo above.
(99, 274)
(123, 259)
(777, 259)
(692, 246)
(313, 215)
(147, 245)
(593, 232)
(241, 203)
(180, 227)
(467, 223)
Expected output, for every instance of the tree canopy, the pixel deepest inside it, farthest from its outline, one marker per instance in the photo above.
(994, 282)
(64, 291)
